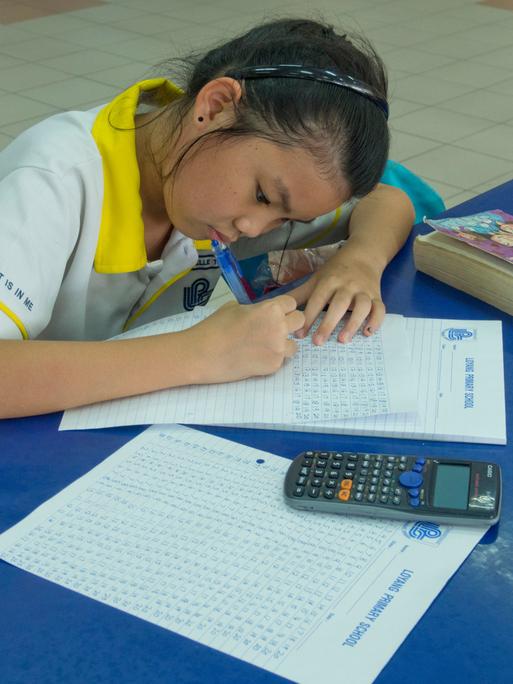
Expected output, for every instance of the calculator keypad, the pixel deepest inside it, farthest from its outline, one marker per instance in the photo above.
(354, 477)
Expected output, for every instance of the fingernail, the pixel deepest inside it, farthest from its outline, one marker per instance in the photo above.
(369, 330)
(299, 334)
(318, 339)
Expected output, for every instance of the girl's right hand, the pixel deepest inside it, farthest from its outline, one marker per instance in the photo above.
(241, 341)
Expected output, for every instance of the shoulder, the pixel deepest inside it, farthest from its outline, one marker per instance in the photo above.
(57, 145)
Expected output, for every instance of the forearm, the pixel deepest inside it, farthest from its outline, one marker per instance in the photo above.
(379, 226)
(44, 376)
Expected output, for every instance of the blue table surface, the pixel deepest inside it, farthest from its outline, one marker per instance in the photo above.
(51, 634)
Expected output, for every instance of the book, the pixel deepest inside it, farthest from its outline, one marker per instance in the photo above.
(471, 253)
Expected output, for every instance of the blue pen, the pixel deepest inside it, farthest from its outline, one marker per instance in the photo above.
(231, 272)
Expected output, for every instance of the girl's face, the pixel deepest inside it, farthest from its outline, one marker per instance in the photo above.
(245, 187)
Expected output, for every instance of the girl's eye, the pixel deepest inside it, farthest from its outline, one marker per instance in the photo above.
(260, 197)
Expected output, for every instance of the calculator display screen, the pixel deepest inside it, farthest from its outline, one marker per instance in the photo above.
(451, 486)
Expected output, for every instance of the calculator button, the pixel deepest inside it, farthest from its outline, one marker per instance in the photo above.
(298, 491)
(398, 491)
(321, 463)
(317, 482)
(360, 487)
(301, 480)
(402, 466)
(350, 466)
(378, 458)
(346, 484)
(307, 462)
(352, 457)
(318, 472)
(388, 473)
(420, 461)
(415, 501)
(414, 492)
(336, 465)
(373, 489)
(338, 457)
(365, 464)
(376, 472)
(363, 471)
(331, 483)
(383, 499)
(387, 481)
(416, 468)
(371, 498)
(410, 479)
(396, 500)
(362, 480)
(374, 480)
(348, 475)
(358, 496)
(313, 492)
(344, 494)
(304, 471)
(333, 474)
(328, 494)
(403, 459)
(385, 490)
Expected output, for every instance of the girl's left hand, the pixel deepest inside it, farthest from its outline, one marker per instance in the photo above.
(344, 283)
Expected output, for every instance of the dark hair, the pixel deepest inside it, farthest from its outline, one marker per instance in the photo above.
(345, 132)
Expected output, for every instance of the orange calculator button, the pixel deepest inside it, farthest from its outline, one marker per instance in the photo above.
(346, 484)
(344, 494)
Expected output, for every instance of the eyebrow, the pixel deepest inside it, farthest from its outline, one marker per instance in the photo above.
(283, 193)
(285, 198)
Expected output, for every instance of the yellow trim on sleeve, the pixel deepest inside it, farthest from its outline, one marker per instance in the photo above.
(326, 231)
(150, 301)
(10, 314)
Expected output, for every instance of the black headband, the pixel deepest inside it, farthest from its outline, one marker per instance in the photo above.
(311, 74)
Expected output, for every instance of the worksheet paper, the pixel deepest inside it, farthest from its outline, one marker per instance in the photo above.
(369, 376)
(191, 532)
(458, 371)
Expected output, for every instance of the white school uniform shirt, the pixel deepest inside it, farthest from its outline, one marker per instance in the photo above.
(73, 263)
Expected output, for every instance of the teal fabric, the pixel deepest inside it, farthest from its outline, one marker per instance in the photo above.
(425, 199)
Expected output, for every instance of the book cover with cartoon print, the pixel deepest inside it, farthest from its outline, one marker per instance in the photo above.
(491, 231)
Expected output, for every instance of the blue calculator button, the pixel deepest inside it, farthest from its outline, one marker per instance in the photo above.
(415, 501)
(420, 461)
(417, 468)
(414, 492)
(410, 479)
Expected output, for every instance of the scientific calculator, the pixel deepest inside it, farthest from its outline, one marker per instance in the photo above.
(399, 487)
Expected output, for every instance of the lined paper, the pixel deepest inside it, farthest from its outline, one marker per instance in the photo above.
(190, 532)
(369, 376)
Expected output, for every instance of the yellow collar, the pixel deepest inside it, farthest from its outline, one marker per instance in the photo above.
(121, 247)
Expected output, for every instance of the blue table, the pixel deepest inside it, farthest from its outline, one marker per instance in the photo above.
(50, 634)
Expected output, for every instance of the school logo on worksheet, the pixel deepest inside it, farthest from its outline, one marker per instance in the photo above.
(425, 532)
(458, 334)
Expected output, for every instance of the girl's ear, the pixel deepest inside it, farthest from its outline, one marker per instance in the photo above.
(214, 106)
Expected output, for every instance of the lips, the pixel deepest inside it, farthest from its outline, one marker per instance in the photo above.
(216, 235)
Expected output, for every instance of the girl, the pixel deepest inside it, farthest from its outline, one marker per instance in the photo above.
(106, 218)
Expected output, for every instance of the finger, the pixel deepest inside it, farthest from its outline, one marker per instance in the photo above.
(313, 308)
(376, 318)
(336, 310)
(361, 307)
(290, 348)
(286, 303)
(295, 321)
(302, 292)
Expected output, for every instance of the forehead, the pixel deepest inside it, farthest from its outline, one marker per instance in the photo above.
(292, 173)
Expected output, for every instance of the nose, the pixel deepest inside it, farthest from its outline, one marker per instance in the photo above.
(252, 226)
